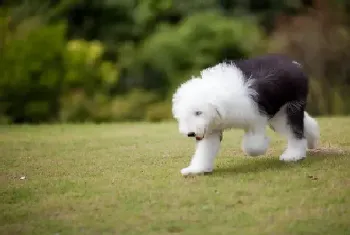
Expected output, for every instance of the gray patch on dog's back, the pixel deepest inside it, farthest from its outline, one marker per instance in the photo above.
(278, 80)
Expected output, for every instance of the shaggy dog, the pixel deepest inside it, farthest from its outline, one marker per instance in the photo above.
(249, 95)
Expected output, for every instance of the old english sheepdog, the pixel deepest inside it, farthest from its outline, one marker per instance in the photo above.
(249, 95)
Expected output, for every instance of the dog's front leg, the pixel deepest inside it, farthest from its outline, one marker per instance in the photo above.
(255, 141)
(204, 157)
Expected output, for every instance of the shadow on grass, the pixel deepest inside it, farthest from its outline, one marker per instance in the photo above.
(262, 164)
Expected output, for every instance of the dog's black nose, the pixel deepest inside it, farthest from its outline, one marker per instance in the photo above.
(191, 134)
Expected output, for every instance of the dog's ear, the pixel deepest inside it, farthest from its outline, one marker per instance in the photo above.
(217, 111)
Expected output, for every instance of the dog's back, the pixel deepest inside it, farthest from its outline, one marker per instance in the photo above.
(278, 80)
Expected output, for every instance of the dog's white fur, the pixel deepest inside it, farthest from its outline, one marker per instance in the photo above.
(219, 100)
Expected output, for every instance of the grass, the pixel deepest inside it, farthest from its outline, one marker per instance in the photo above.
(125, 179)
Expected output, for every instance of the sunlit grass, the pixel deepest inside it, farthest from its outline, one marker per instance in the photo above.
(125, 179)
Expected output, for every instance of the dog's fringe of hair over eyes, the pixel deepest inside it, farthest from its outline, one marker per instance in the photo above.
(229, 83)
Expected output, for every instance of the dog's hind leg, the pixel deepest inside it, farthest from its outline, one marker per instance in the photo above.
(311, 130)
(289, 122)
(204, 157)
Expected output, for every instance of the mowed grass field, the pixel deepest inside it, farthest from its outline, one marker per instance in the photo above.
(125, 179)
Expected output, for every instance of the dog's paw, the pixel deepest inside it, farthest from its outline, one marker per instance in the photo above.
(291, 155)
(194, 171)
(255, 145)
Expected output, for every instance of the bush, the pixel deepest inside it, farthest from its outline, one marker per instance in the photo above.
(31, 72)
(85, 68)
(166, 57)
(133, 106)
(160, 111)
(41, 74)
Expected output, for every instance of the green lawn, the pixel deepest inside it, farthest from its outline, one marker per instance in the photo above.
(125, 179)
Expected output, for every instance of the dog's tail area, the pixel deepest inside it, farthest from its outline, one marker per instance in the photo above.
(311, 130)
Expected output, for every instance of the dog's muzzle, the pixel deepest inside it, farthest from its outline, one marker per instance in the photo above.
(192, 134)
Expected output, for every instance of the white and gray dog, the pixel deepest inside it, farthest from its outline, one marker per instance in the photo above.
(250, 95)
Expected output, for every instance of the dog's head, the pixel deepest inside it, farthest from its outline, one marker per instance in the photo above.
(194, 109)
(200, 105)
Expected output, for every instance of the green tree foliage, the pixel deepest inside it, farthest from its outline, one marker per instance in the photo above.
(87, 82)
(31, 72)
(167, 50)
(117, 60)
(40, 69)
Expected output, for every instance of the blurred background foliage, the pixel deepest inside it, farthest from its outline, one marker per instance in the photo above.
(120, 60)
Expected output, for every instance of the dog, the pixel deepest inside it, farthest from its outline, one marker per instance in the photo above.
(248, 94)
